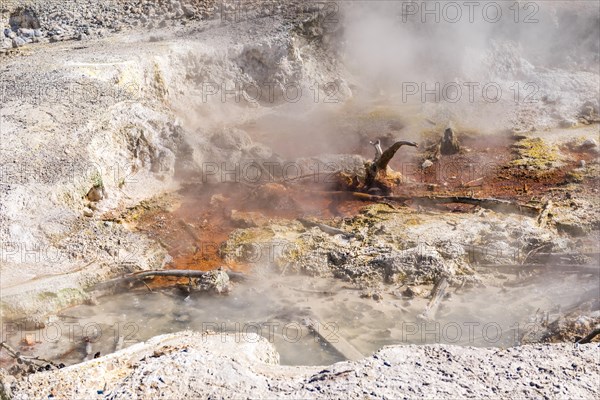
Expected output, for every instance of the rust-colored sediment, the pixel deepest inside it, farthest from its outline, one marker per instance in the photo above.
(195, 231)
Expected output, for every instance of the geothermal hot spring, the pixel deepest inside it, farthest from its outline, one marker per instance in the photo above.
(275, 308)
(386, 65)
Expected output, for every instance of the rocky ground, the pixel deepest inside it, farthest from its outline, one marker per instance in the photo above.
(384, 245)
(111, 107)
(108, 135)
(191, 365)
(31, 22)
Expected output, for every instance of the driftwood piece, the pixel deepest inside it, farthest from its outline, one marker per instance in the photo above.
(27, 360)
(437, 294)
(382, 162)
(378, 151)
(498, 205)
(589, 337)
(107, 286)
(331, 336)
(474, 182)
(185, 273)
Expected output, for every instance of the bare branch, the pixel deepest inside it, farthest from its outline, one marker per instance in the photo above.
(389, 153)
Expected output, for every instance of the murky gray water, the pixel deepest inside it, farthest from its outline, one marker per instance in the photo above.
(276, 307)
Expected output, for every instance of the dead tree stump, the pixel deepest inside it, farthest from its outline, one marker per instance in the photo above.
(449, 144)
(378, 173)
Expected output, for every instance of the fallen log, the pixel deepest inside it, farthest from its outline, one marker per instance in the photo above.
(437, 294)
(472, 183)
(105, 287)
(499, 205)
(27, 360)
(183, 273)
(589, 337)
(331, 336)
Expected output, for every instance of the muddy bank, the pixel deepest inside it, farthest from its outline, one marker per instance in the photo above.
(183, 366)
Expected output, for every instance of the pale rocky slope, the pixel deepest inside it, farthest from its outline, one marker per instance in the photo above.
(190, 365)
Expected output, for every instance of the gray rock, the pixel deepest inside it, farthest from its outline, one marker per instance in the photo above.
(589, 144)
(188, 10)
(248, 219)
(589, 109)
(261, 151)
(96, 193)
(18, 42)
(27, 33)
(423, 264)
(24, 17)
(214, 281)
(572, 226)
(231, 139)
(568, 123)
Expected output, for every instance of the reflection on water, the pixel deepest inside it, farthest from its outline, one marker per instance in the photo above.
(277, 307)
